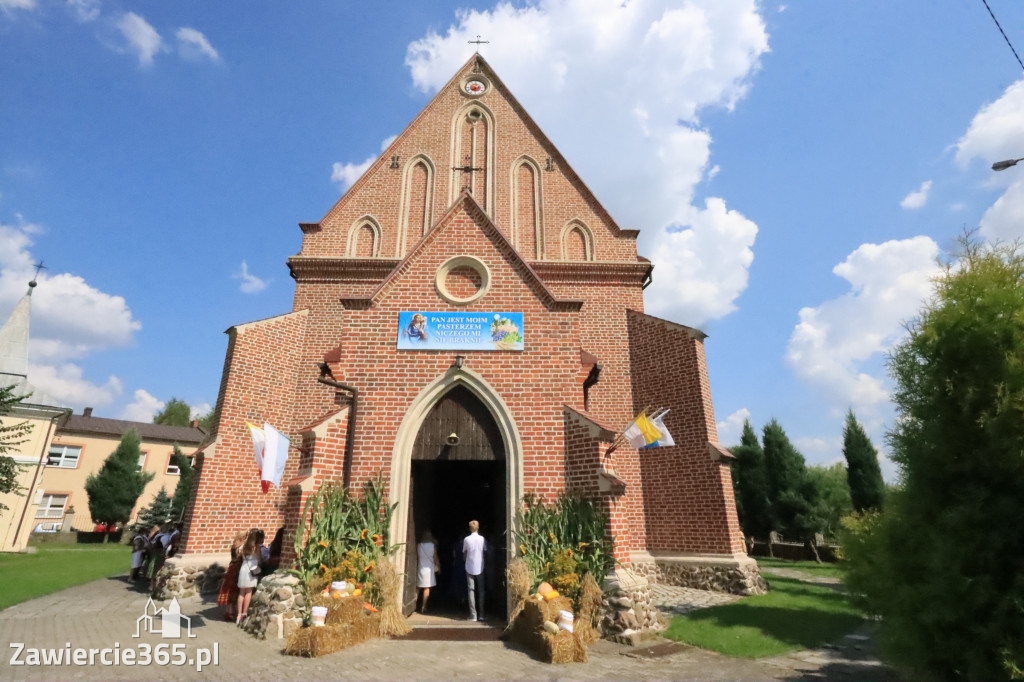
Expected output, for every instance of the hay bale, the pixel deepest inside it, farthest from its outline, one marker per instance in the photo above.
(392, 622)
(528, 631)
(591, 603)
(519, 579)
(313, 642)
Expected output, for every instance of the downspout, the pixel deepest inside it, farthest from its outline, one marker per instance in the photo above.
(350, 432)
(35, 477)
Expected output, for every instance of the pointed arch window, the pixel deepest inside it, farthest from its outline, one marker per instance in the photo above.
(473, 154)
(417, 201)
(577, 242)
(527, 228)
(364, 239)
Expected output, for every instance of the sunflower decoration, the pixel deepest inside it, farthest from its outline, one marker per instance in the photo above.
(366, 531)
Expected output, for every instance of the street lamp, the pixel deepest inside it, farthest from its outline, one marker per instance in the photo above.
(1003, 165)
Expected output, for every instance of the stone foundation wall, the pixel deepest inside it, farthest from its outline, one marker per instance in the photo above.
(277, 607)
(182, 580)
(742, 578)
(629, 606)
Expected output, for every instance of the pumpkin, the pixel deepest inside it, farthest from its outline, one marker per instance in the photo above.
(326, 593)
(336, 594)
(544, 588)
(369, 607)
(553, 594)
(357, 593)
(551, 627)
(350, 588)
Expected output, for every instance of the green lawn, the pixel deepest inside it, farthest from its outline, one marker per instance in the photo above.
(811, 567)
(26, 576)
(793, 615)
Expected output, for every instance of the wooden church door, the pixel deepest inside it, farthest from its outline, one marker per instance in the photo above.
(458, 475)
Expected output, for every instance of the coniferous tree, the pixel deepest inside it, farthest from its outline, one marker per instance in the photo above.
(175, 413)
(183, 490)
(791, 493)
(159, 512)
(115, 488)
(833, 497)
(863, 474)
(751, 484)
(11, 435)
(942, 563)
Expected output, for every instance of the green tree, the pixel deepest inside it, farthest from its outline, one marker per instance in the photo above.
(11, 435)
(115, 488)
(867, 489)
(751, 485)
(791, 493)
(159, 512)
(943, 562)
(175, 413)
(183, 490)
(833, 497)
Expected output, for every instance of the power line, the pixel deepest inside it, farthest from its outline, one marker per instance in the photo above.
(1005, 37)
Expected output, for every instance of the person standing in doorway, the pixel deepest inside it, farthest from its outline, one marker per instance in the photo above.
(427, 567)
(473, 547)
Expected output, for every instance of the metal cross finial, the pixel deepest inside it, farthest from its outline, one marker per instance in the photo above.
(478, 42)
(38, 266)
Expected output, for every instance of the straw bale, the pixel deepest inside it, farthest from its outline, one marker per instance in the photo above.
(519, 579)
(392, 622)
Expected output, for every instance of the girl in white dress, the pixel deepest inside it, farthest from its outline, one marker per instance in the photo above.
(428, 564)
(249, 571)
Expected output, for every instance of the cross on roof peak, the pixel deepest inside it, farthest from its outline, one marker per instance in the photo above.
(478, 42)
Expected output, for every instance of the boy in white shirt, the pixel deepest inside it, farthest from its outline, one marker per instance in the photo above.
(473, 552)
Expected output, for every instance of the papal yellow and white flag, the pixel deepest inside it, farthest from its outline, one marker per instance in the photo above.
(641, 432)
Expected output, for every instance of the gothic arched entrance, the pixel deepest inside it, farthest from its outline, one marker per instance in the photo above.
(458, 474)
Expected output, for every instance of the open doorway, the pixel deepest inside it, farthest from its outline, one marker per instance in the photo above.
(458, 475)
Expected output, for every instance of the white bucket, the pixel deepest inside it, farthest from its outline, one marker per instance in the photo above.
(338, 586)
(565, 620)
(319, 615)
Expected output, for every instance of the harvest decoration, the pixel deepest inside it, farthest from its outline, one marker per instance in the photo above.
(562, 542)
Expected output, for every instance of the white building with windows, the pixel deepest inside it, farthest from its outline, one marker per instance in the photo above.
(61, 450)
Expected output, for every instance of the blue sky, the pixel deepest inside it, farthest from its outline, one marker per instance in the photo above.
(795, 168)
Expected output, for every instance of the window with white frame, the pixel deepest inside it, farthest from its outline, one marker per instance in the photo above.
(63, 456)
(142, 461)
(174, 470)
(52, 506)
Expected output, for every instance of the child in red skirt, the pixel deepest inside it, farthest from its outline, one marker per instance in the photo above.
(228, 595)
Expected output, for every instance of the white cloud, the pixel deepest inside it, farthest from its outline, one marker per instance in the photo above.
(65, 383)
(828, 348)
(251, 284)
(636, 76)
(192, 44)
(201, 410)
(996, 133)
(143, 408)
(1004, 219)
(142, 38)
(731, 428)
(346, 174)
(70, 318)
(7, 5)
(86, 10)
(918, 198)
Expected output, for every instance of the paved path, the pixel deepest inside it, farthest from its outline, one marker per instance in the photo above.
(104, 612)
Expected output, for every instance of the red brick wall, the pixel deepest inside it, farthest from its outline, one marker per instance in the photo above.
(258, 385)
(687, 497)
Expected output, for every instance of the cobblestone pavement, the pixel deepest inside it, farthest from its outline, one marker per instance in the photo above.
(676, 601)
(104, 613)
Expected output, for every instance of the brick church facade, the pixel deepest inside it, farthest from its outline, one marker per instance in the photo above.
(471, 210)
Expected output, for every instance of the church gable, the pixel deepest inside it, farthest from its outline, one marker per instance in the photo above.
(473, 136)
(465, 261)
